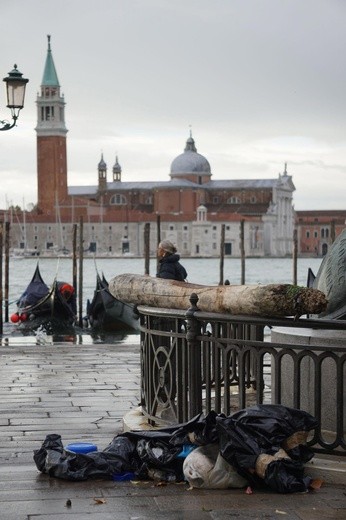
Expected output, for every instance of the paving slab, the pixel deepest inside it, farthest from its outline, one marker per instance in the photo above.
(83, 392)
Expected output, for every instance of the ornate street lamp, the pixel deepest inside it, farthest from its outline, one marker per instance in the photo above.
(15, 87)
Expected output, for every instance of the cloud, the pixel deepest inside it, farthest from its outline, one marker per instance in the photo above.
(260, 83)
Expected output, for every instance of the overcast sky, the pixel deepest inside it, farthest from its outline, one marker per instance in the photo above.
(260, 82)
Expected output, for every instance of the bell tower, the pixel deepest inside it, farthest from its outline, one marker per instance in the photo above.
(51, 141)
(102, 170)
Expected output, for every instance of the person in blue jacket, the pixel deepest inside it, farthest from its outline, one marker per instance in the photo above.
(169, 266)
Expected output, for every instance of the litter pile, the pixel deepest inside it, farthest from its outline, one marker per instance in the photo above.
(264, 445)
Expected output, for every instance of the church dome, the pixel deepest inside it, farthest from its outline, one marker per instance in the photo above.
(190, 161)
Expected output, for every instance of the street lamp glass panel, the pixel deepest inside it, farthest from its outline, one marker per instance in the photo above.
(15, 95)
(15, 86)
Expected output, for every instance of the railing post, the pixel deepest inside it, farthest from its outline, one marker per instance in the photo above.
(194, 359)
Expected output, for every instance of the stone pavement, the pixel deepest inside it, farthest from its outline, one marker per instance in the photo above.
(82, 392)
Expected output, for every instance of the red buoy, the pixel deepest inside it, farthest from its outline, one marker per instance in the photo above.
(24, 316)
(66, 290)
(15, 318)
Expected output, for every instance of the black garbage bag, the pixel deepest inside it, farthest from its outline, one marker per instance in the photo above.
(155, 452)
(119, 457)
(274, 431)
(158, 455)
(146, 453)
(201, 430)
(287, 476)
(264, 443)
(273, 423)
(159, 450)
(52, 447)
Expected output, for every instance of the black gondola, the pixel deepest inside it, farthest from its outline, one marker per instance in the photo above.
(40, 305)
(107, 313)
(311, 278)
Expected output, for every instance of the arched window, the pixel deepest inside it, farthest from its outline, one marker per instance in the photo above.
(233, 200)
(118, 199)
(324, 233)
(201, 213)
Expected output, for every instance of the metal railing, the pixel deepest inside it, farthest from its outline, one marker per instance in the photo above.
(193, 362)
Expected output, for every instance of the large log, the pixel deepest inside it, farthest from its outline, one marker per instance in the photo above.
(258, 300)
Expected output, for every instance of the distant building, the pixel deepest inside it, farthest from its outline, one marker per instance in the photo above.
(318, 229)
(51, 139)
(191, 207)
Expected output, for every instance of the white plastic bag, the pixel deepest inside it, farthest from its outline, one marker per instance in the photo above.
(205, 468)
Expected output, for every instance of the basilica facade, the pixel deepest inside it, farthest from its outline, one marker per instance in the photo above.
(190, 208)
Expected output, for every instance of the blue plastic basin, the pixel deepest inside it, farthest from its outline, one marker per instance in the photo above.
(81, 447)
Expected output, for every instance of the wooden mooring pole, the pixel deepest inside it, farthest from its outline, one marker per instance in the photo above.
(295, 255)
(242, 252)
(80, 284)
(158, 227)
(332, 231)
(1, 295)
(7, 268)
(222, 253)
(147, 248)
(74, 257)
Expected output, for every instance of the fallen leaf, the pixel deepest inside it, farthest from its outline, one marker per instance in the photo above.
(100, 500)
(316, 483)
(280, 512)
(68, 503)
(248, 490)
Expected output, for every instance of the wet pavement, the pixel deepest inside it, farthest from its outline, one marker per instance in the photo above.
(82, 392)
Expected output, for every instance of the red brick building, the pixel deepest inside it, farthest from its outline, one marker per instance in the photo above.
(317, 230)
(192, 207)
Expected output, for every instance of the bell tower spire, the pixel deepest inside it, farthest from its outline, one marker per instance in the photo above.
(102, 170)
(51, 139)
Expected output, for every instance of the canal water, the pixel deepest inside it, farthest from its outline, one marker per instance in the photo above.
(205, 271)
